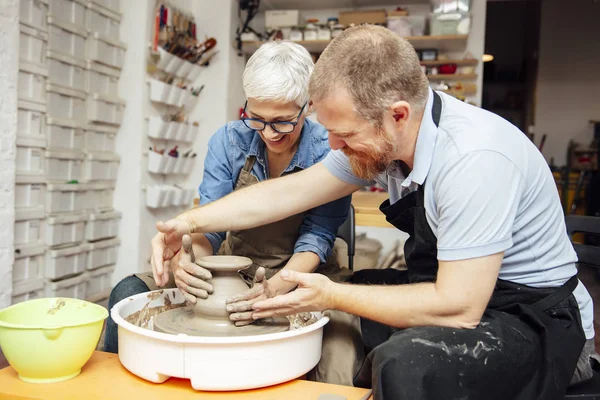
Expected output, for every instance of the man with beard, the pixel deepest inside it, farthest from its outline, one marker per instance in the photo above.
(490, 305)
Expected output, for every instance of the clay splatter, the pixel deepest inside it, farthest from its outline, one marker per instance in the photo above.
(155, 295)
(460, 349)
(301, 320)
(60, 303)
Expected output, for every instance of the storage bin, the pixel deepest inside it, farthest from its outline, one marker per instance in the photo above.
(192, 133)
(157, 162)
(100, 138)
(30, 161)
(65, 103)
(65, 198)
(102, 79)
(31, 124)
(63, 165)
(29, 263)
(102, 225)
(103, 21)
(33, 13)
(67, 261)
(66, 229)
(188, 197)
(168, 62)
(65, 37)
(112, 5)
(159, 91)
(28, 290)
(71, 287)
(64, 133)
(29, 227)
(32, 45)
(102, 108)
(155, 196)
(72, 11)
(170, 164)
(30, 195)
(100, 167)
(177, 196)
(169, 194)
(171, 131)
(66, 70)
(182, 132)
(32, 82)
(157, 127)
(103, 253)
(99, 196)
(450, 23)
(99, 283)
(105, 51)
(180, 165)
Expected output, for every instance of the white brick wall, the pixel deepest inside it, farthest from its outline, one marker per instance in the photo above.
(9, 57)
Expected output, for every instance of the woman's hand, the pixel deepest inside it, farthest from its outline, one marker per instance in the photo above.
(240, 306)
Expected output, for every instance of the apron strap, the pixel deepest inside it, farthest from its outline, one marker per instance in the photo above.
(249, 163)
(559, 295)
(436, 110)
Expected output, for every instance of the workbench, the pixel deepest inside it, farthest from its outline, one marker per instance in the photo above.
(103, 377)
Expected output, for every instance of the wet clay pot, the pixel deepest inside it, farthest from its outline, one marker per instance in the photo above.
(209, 317)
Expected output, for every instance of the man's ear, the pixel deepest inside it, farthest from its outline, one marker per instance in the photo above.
(310, 108)
(400, 111)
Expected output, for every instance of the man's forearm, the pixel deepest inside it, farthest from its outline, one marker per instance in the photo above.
(201, 245)
(402, 306)
(301, 262)
(268, 201)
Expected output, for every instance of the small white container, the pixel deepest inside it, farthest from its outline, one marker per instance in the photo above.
(30, 195)
(100, 138)
(105, 109)
(159, 91)
(102, 79)
(100, 167)
(105, 50)
(67, 261)
(179, 165)
(324, 33)
(33, 13)
(168, 62)
(65, 198)
(32, 82)
(99, 283)
(65, 37)
(103, 253)
(32, 45)
(185, 69)
(156, 162)
(31, 124)
(30, 161)
(171, 131)
(65, 70)
(182, 132)
(169, 193)
(66, 103)
(177, 197)
(170, 164)
(112, 5)
(29, 263)
(103, 21)
(66, 229)
(188, 197)
(192, 133)
(157, 127)
(63, 165)
(189, 165)
(71, 11)
(29, 227)
(176, 96)
(194, 72)
(71, 287)
(99, 196)
(155, 196)
(64, 134)
(28, 290)
(102, 225)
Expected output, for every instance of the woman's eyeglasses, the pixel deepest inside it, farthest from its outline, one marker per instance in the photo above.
(279, 127)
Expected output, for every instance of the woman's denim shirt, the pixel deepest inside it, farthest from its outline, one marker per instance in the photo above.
(228, 149)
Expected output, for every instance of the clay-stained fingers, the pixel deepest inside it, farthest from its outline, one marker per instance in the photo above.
(195, 270)
(241, 317)
(239, 307)
(198, 293)
(259, 275)
(189, 280)
(247, 295)
(188, 251)
(243, 323)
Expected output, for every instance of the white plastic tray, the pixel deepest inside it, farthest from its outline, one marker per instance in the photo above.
(66, 37)
(64, 134)
(65, 229)
(99, 196)
(31, 120)
(30, 195)
(66, 70)
(65, 198)
(28, 290)
(99, 283)
(102, 79)
(100, 138)
(214, 363)
(32, 45)
(100, 167)
(33, 13)
(104, 21)
(63, 165)
(32, 82)
(71, 287)
(66, 261)
(103, 225)
(103, 253)
(29, 263)
(106, 51)
(66, 103)
(72, 11)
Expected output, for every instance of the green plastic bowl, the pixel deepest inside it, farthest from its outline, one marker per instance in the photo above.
(50, 339)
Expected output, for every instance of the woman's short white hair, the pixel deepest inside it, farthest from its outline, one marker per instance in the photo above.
(279, 70)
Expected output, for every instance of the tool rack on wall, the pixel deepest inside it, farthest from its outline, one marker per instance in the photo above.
(69, 113)
(176, 60)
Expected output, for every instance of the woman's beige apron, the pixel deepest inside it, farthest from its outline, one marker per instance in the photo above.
(271, 246)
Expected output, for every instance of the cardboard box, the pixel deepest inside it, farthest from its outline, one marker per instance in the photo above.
(363, 17)
(275, 19)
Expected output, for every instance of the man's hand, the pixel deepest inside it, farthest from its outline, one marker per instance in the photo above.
(313, 294)
(240, 306)
(165, 246)
(191, 278)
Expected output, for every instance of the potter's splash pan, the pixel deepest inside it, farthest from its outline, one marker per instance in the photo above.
(211, 363)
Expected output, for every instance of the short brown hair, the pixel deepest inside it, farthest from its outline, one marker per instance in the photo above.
(376, 66)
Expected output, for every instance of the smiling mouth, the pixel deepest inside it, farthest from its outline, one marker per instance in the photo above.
(275, 140)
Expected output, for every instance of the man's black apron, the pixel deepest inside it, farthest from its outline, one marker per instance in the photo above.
(545, 310)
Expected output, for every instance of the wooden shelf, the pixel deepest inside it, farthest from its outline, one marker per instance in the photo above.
(448, 42)
(451, 77)
(467, 61)
(464, 92)
(366, 209)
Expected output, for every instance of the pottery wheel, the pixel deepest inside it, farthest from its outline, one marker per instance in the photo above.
(185, 321)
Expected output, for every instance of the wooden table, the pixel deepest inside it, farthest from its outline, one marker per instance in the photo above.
(103, 377)
(366, 209)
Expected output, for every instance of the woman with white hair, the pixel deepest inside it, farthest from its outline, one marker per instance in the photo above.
(273, 138)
